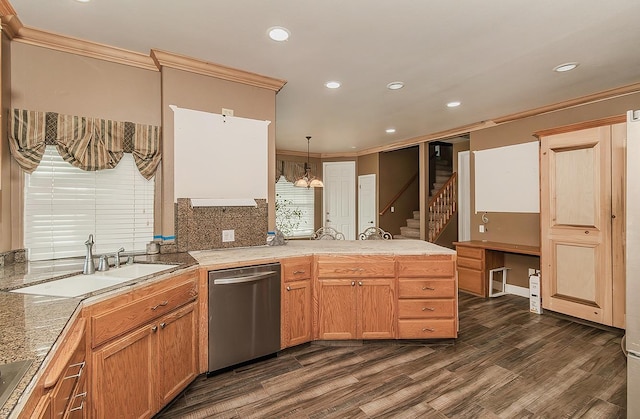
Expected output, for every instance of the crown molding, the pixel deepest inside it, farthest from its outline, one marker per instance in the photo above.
(6, 9)
(205, 68)
(11, 25)
(612, 120)
(583, 100)
(37, 37)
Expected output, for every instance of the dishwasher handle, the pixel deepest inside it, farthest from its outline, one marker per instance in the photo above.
(243, 279)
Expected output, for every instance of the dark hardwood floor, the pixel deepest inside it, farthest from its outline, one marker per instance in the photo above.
(506, 363)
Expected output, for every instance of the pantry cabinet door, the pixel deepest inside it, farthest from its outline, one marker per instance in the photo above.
(575, 221)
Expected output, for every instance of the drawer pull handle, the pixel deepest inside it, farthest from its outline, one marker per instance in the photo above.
(356, 269)
(428, 308)
(154, 329)
(288, 288)
(426, 329)
(83, 394)
(299, 272)
(162, 304)
(425, 288)
(163, 325)
(75, 409)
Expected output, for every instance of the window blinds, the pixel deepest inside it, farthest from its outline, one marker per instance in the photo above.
(64, 204)
(290, 199)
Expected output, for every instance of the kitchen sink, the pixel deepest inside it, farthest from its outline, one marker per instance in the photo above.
(79, 285)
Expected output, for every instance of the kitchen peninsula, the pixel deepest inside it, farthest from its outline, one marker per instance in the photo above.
(416, 279)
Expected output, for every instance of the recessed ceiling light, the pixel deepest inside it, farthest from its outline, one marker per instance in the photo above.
(353, 146)
(83, 1)
(332, 84)
(278, 33)
(390, 130)
(395, 85)
(453, 104)
(565, 67)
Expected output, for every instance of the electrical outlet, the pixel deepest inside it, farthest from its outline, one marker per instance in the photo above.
(481, 229)
(227, 112)
(533, 271)
(228, 236)
(393, 209)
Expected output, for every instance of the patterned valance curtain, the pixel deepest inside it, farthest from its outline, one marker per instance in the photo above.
(87, 143)
(292, 170)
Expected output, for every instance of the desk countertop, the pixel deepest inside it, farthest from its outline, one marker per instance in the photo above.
(520, 249)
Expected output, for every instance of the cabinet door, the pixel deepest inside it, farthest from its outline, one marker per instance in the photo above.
(575, 221)
(122, 374)
(337, 315)
(177, 352)
(296, 304)
(376, 307)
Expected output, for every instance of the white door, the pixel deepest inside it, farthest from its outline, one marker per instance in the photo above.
(339, 203)
(367, 207)
(464, 196)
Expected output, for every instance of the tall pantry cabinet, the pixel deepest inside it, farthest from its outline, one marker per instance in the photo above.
(582, 179)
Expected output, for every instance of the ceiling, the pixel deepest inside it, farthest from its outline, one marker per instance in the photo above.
(495, 57)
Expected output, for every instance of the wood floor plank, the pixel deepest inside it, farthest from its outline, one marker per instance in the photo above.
(506, 363)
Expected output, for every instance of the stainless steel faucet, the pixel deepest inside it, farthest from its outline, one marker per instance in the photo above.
(116, 256)
(89, 267)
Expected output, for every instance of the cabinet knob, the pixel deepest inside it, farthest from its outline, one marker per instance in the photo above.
(162, 325)
(360, 283)
(154, 329)
(288, 288)
(353, 283)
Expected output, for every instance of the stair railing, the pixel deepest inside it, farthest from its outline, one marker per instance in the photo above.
(399, 194)
(442, 208)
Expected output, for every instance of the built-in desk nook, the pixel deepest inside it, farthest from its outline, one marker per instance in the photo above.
(476, 258)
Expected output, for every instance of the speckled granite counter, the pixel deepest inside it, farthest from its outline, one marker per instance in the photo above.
(265, 254)
(31, 324)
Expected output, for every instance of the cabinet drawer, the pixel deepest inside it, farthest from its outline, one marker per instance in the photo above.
(355, 266)
(470, 252)
(427, 288)
(470, 263)
(422, 309)
(295, 269)
(426, 266)
(109, 324)
(427, 329)
(471, 281)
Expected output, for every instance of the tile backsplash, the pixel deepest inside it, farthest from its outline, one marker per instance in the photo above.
(200, 228)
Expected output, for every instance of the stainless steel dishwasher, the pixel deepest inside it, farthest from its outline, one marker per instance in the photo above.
(244, 314)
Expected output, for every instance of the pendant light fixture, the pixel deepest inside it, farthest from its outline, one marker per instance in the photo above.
(308, 181)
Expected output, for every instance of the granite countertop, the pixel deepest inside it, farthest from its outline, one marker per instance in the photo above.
(31, 324)
(223, 257)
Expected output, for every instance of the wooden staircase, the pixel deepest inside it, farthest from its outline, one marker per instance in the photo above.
(442, 206)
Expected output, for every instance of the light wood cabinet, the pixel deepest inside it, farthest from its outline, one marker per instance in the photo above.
(356, 297)
(296, 301)
(144, 348)
(428, 297)
(582, 220)
(473, 268)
